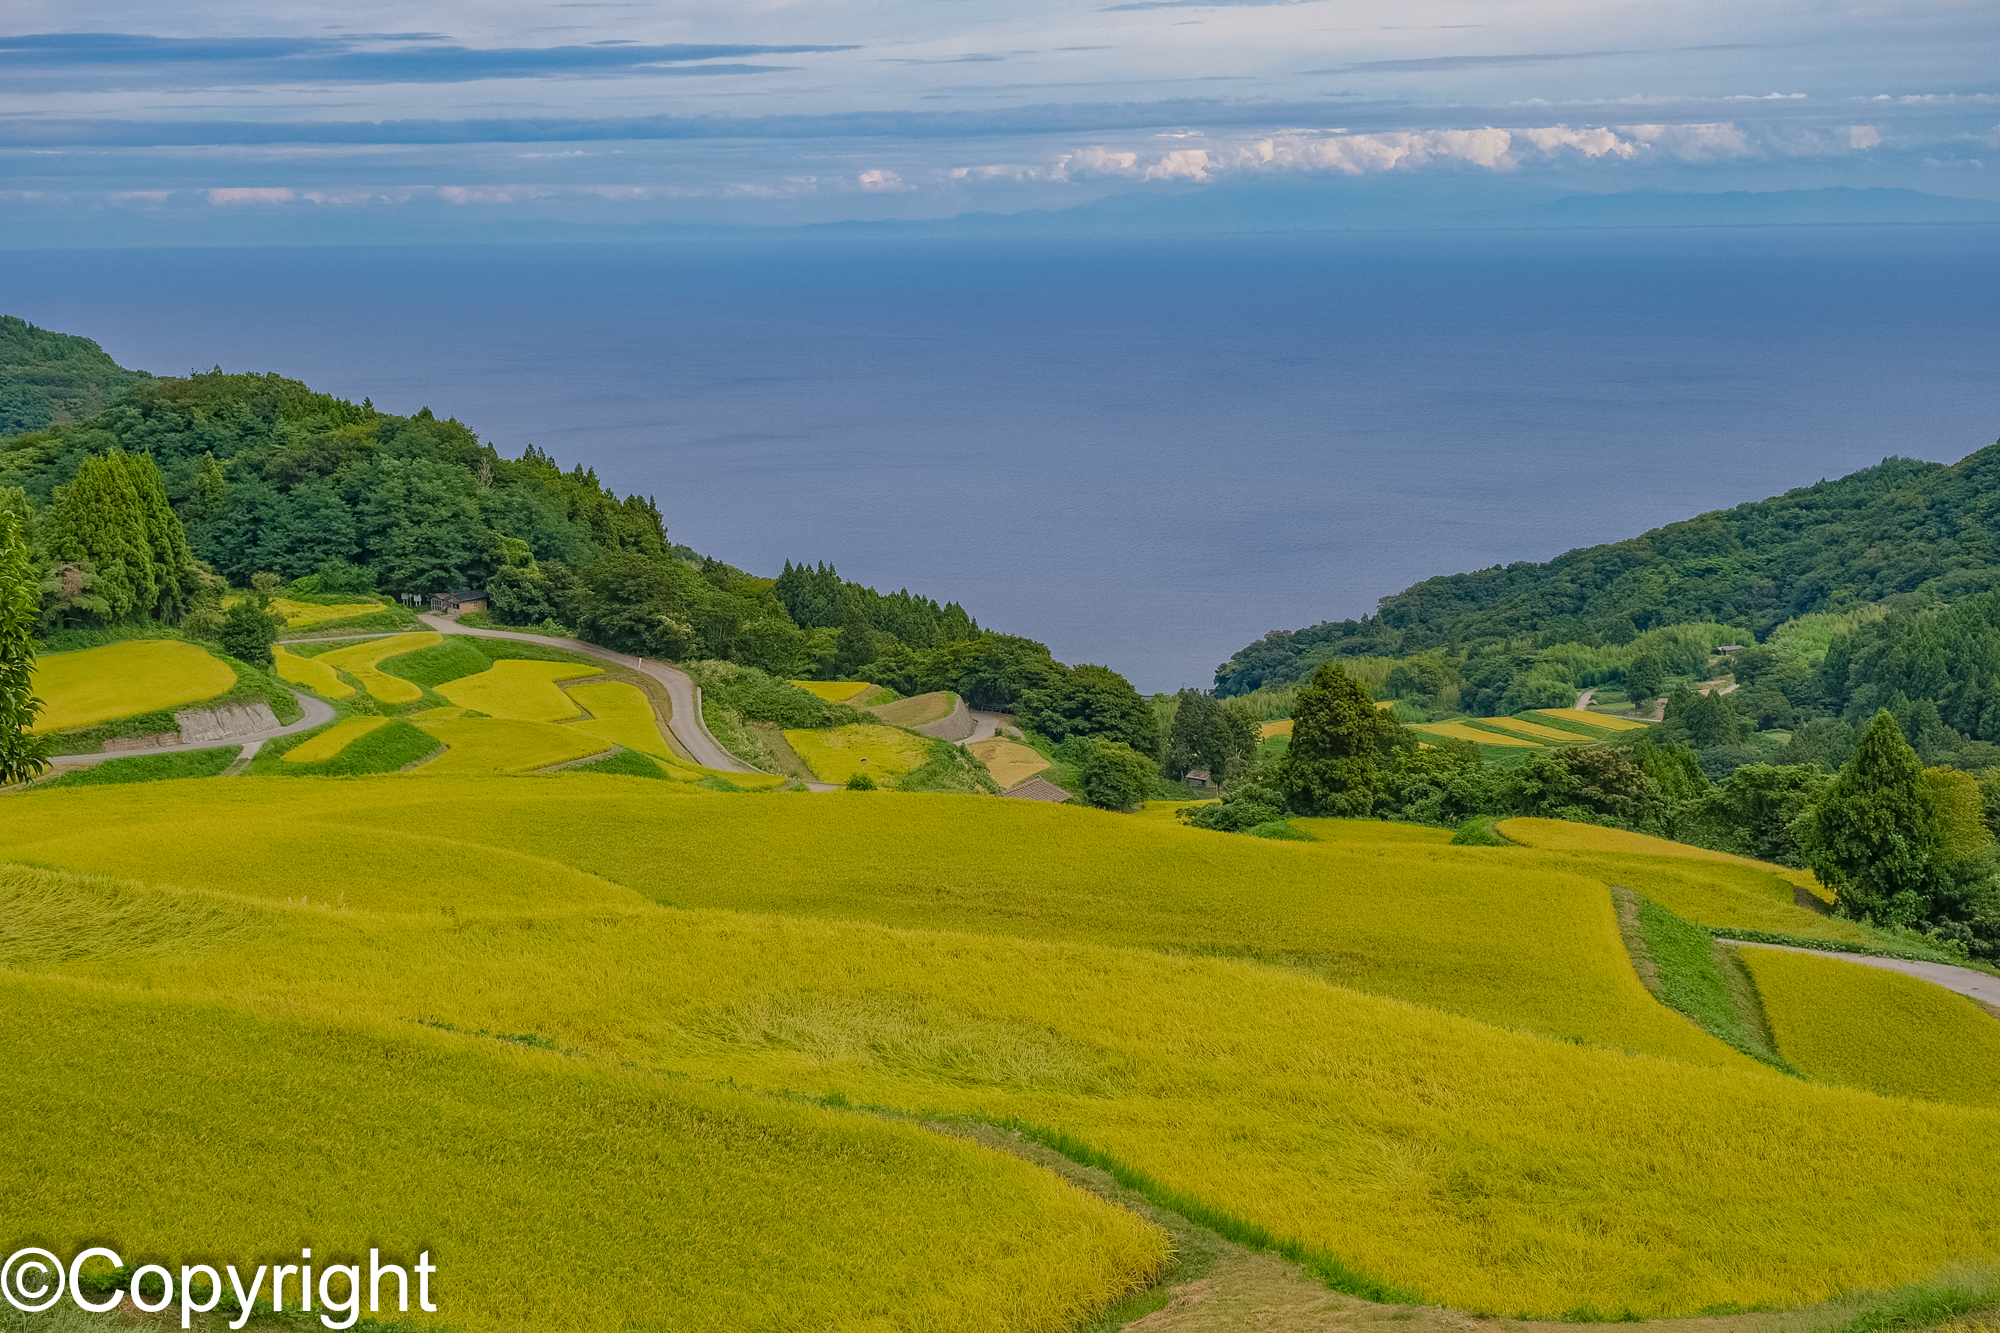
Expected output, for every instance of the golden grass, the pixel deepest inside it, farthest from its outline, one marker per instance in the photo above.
(96, 685)
(524, 691)
(504, 745)
(1164, 812)
(1282, 727)
(1535, 730)
(834, 691)
(1483, 1168)
(300, 614)
(333, 740)
(1458, 731)
(363, 661)
(838, 753)
(1591, 719)
(551, 1191)
(1010, 762)
(1373, 832)
(1869, 1027)
(310, 672)
(918, 709)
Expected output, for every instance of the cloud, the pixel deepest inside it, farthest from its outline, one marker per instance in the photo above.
(1863, 136)
(1463, 62)
(1693, 143)
(249, 195)
(1189, 164)
(62, 60)
(1359, 154)
(490, 194)
(1599, 142)
(880, 179)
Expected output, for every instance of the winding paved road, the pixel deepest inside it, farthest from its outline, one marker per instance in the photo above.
(317, 712)
(686, 723)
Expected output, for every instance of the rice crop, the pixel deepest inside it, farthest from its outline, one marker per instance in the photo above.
(1282, 727)
(328, 743)
(524, 691)
(836, 754)
(505, 745)
(918, 709)
(1522, 727)
(363, 661)
(1488, 1169)
(1010, 762)
(122, 679)
(298, 615)
(1458, 731)
(311, 672)
(1869, 1027)
(1590, 719)
(834, 691)
(524, 1173)
(1374, 832)
(390, 747)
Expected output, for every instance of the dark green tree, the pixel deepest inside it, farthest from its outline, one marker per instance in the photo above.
(1114, 776)
(1873, 836)
(248, 631)
(22, 755)
(1090, 701)
(1341, 747)
(1209, 734)
(115, 521)
(1645, 677)
(1584, 782)
(635, 604)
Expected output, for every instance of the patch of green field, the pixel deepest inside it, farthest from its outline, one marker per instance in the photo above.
(838, 753)
(393, 745)
(122, 679)
(310, 672)
(431, 667)
(505, 745)
(1486, 1168)
(152, 768)
(1374, 832)
(521, 690)
(522, 1172)
(1695, 975)
(1869, 1027)
(326, 744)
(918, 709)
(363, 662)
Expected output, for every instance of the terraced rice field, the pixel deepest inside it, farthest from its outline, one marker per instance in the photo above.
(1010, 762)
(95, 685)
(838, 753)
(917, 710)
(522, 690)
(298, 615)
(1434, 1063)
(333, 740)
(835, 691)
(363, 662)
(504, 745)
(1458, 731)
(621, 714)
(1282, 727)
(1600, 720)
(1867, 1027)
(1534, 731)
(310, 673)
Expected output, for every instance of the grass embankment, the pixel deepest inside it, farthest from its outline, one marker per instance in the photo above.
(1159, 1019)
(1868, 1027)
(1695, 975)
(151, 768)
(120, 680)
(393, 745)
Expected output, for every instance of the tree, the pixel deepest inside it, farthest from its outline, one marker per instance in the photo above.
(1114, 776)
(634, 604)
(1710, 721)
(1340, 745)
(1585, 781)
(1874, 835)
(114, 520)
(248, 631)
(1644, 678)
(1207, 733)
(1090, 701)
(22, 755)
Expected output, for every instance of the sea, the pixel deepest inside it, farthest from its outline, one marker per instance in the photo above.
(1144, 452)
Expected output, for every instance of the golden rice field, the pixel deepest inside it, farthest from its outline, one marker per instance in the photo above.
(1377, 833)
(523, 690)
(1458, 731)
(836, 754)
(504, 745)
(1010, 762)
(835, 691)
(917, 710)
(363, 661)
(623, 715)
(1603, 720)
(1279, 728)
(333, 740)
(1561, 835)
(96, 685)
(310, 672)
(1433, 1062)
(298, 615)
(1868, 1027)
(1535, 730)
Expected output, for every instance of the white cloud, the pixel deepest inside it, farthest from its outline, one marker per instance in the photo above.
(1005, 172)
(1598, 142)
(1694, 143)
(880, 179)
(1863, 136)
(491, 194)
(242, 195)
(1094, 162)
(1181, 164)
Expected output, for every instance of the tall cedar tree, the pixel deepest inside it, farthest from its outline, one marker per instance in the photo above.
(1875, 837)
(22, 756)
(1337, 763)
(114, 519)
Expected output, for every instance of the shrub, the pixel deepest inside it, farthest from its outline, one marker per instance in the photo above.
(860, 782)
(248, 632)
(1114, 776)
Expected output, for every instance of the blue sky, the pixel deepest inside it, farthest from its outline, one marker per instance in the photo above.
(174, 121)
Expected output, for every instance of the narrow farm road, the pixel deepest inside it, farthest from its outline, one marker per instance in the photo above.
(317, 712)
(1964, 980)
(1583, 699)
(686, 723)
(985, 726)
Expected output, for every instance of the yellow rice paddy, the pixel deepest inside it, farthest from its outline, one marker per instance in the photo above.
(96, 685)
(363, 661)
(834, 691)
(838, 753)
(522, 690)
(1458, 731)
(1010, 762)
(333, 740)
(311, 672)
(1547, 735)
(300, 614)
(1593, 719)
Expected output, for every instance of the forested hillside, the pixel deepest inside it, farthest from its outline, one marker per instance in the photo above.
(1905, 532)
(48, 379)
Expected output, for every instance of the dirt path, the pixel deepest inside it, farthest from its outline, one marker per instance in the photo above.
(685, 724)
(1964, 980)
(1583, 699)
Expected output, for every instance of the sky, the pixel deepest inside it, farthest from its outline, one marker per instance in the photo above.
(171, 121)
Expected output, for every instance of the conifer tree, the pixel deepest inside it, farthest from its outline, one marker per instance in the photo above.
(1340, 744)
(22, 756)
(1875, 836)
(114, 520)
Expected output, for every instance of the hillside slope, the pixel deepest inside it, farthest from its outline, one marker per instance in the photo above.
(48, 379)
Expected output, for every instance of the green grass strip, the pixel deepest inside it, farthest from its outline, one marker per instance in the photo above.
(1712, 988)
(1951, 1295)
(626, 763)
(152, 768)
(1479, 831)
(1319, 1263)
(393, 746)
